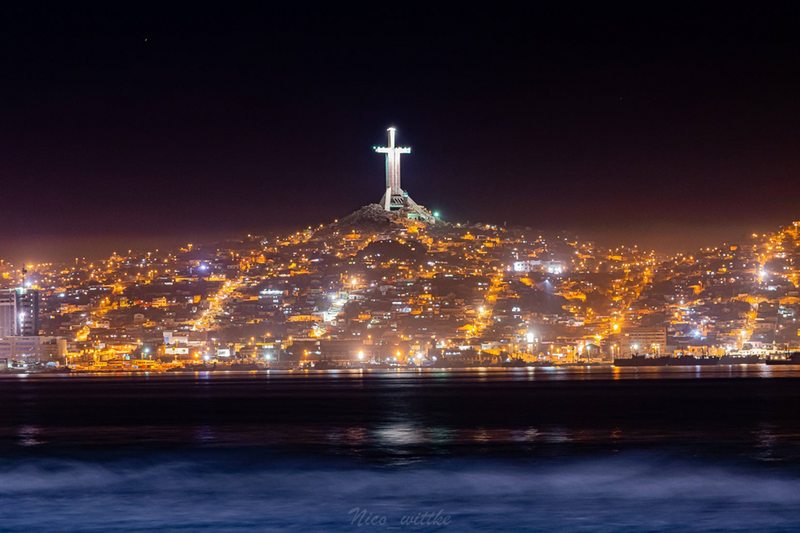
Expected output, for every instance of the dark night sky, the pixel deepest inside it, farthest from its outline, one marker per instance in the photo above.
(673, 125)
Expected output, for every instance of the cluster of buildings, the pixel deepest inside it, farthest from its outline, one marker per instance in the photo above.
(20, 342)
(378, 289)
(394, 285)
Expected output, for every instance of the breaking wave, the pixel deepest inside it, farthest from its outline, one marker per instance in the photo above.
(232, 491)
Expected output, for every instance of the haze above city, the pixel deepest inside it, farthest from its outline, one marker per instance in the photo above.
(668, 128)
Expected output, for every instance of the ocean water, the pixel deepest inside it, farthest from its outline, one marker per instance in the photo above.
(227, 491)
(460, 451)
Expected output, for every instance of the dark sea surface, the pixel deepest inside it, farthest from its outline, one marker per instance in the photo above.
(586, 449)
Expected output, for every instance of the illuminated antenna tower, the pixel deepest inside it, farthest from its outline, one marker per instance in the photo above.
(394, 197)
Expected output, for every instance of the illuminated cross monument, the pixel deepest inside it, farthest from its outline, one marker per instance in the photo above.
(395, 198)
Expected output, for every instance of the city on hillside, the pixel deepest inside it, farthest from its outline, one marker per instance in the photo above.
(384, 288)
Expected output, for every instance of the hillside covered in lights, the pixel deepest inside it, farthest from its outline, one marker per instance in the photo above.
(374, 288)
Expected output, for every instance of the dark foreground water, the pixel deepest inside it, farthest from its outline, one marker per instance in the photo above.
(581, 449)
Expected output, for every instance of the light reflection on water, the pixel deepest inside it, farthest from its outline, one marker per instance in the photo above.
(399, 435)
(767, 444)
(479, 374)
(29, 435)
(423, 411)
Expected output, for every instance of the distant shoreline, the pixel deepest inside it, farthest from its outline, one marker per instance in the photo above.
(537, 373)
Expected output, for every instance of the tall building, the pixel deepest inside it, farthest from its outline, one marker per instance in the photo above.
(8, 312)
(19, 312)
(27, 312)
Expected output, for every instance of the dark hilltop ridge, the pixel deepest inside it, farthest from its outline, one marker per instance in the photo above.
(374, 218)
(369, 217)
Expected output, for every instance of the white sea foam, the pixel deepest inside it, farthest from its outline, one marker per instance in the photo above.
(611, 493)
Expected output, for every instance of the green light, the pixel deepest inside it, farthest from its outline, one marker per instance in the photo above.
(436, 214)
